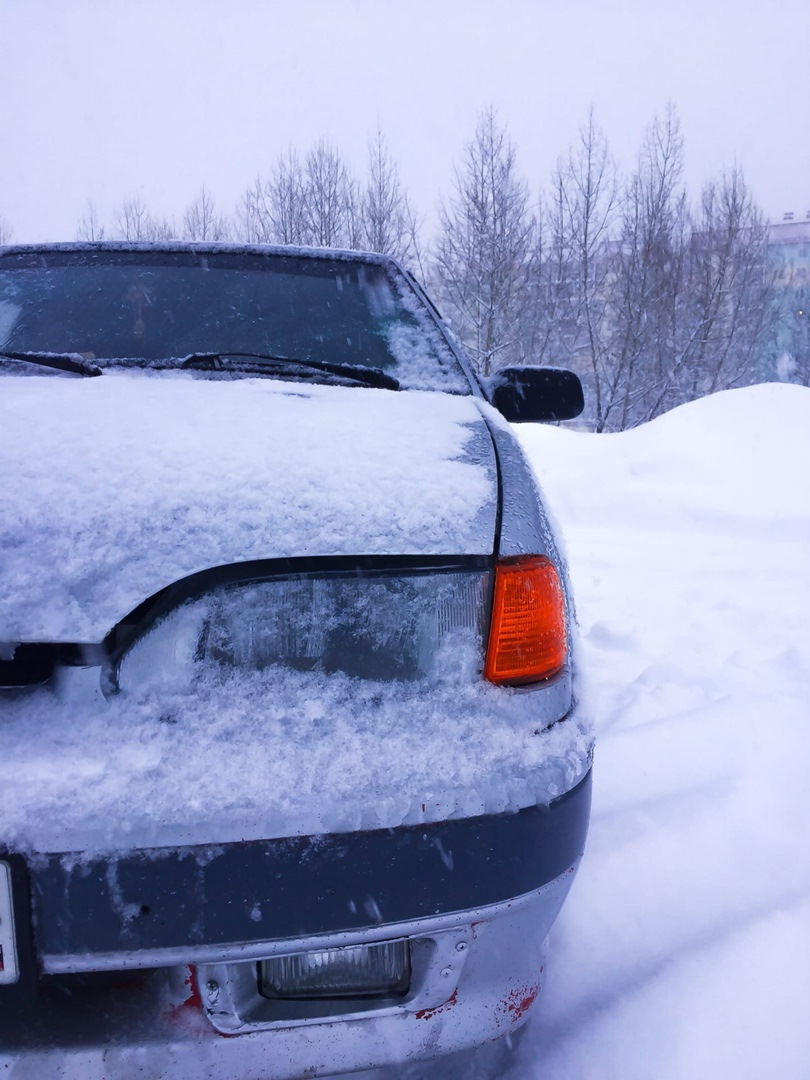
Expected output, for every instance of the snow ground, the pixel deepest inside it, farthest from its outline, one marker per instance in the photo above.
(683, 951)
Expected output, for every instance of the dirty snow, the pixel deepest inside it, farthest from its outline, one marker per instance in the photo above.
(115, 487)
(683, 951)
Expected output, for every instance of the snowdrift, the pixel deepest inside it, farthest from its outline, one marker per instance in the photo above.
(684, 949)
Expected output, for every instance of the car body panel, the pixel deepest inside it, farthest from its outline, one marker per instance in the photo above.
(151, 907)
(159, 1024)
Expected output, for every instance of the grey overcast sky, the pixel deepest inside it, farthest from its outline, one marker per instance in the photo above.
(105, 100)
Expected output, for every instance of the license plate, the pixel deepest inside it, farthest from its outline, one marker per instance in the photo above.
(9, 968)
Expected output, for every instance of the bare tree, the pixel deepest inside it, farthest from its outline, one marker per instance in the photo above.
(88, 227)
(730, 285)
(5, 231)
(585, 205)
(316, 201)
(132, 220)
(550, 326)
(312, 203)
(330, 211)
(483, 253)
(652, 303)
(272, 210)
(251, 219)
(135, 223)
(202, 221)
(387, 223)
(651, 282)
(285, 200)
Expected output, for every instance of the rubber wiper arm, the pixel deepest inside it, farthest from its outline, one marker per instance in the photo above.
(74, 362)
(369, 376)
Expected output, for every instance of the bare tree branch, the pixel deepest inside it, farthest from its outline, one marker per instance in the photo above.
(483, 255)
(88, 227)
(201, 220)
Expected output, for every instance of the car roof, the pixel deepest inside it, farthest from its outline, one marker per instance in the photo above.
(204, 248)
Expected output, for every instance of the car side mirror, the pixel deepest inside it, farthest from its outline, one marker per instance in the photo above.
(536, 393)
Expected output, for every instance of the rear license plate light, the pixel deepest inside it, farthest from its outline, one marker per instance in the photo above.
(382, 969)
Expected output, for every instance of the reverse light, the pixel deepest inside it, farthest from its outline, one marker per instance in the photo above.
(380, 969)
(527, 635)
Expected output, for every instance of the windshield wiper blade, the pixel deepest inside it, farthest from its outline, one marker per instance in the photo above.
(369, 376)
(74, 362)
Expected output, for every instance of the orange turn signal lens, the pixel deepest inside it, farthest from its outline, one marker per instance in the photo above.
(527, 633)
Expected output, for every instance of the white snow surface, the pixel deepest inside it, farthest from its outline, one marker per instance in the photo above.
(196, 472)
(272, 753)
(114, 487)
(683, 950)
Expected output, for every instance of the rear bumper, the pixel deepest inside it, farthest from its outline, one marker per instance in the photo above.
(163, 1030)
(475, 898)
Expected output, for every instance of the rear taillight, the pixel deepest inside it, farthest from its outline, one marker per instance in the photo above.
(527, 635)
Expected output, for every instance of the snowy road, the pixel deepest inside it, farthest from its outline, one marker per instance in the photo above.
(683, 952)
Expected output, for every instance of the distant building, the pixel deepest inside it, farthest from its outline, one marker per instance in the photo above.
(789, 244)
(789, 251)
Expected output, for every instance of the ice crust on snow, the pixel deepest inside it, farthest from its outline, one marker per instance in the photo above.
(115, 487)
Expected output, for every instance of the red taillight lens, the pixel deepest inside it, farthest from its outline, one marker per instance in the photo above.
(527, 636)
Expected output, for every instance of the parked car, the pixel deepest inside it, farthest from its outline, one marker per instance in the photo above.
(294, 778)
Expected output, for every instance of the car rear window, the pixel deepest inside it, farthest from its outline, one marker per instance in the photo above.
(156, 305)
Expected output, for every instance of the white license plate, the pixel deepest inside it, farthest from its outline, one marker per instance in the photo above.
(9, 968)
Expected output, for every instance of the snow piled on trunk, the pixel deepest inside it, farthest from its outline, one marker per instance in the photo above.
(274, 753)
(124, 483)
(117, 486)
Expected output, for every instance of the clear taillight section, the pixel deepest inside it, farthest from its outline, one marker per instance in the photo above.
(385, 626)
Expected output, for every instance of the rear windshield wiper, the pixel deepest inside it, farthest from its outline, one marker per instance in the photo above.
(220, 361)
(74, 362)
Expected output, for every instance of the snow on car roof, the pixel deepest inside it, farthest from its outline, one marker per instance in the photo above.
(201, 247)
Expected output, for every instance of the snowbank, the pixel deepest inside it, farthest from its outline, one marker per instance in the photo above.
(683, 952)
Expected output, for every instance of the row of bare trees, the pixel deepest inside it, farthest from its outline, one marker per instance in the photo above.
(312, 201)
(316, 201)
(653, 301)
(655, 298)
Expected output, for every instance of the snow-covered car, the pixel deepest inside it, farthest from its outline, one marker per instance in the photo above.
(294, 781)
